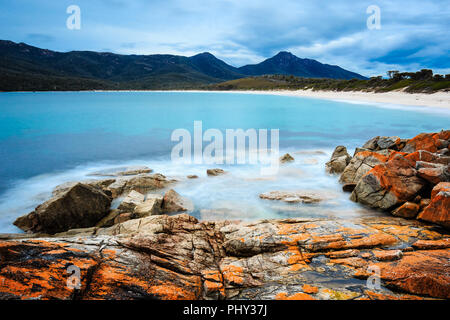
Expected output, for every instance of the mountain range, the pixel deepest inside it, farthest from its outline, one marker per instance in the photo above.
(24, 67)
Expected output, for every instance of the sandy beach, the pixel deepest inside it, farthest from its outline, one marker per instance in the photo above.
(436, 100)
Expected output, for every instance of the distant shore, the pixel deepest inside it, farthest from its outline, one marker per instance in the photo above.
(439, 99)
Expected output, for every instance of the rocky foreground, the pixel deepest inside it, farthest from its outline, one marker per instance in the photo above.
(139, 251)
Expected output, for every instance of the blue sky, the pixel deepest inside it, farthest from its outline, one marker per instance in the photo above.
(414, 34)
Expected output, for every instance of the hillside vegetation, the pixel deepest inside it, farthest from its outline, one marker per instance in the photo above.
(421, 81)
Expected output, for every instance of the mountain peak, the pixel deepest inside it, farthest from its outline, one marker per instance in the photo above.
(284, 54)
(204, 55)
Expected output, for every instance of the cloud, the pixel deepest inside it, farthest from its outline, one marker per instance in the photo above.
(413, 35)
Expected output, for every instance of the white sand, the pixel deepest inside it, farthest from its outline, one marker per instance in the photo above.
(436, 100)
(439, 99)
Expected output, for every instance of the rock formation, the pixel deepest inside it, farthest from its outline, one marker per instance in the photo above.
(405, 177)
(178, 257)
(339, 160)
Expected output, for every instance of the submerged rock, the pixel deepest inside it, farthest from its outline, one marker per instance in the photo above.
(295, 196)
(122, 171)
(80, 206)
(215, 172)
(286, 158)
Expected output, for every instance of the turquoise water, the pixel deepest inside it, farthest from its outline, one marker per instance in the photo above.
(49, 138)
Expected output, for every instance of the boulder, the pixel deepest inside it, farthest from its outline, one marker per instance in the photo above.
(80, 206)
(426, 141)
(339, 160)
(360, 164)
(286, 158)
(141, 183)
(215, 172)
(407, 210)
(133, 199)
(381, 143)
(192, 176)
(388, 142)
(438, 209)
(173, 202)
(389, 184)
(151, 206)
(433, 172)
(99, 184)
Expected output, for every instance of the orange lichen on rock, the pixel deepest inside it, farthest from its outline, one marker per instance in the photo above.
(424, 141)
(419, 272)
(233, 275)
(438, 211)
(432, 244)
(295, 296)
(309, 289)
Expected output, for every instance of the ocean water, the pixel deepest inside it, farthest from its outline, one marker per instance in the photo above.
(54, 137)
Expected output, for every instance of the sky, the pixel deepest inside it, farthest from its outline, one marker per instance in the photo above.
(412, 34)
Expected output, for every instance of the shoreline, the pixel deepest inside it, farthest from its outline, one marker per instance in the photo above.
(439, 100)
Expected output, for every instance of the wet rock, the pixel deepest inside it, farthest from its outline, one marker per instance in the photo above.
(407, 210)
(215, 172)
(173, 202)
(80, 206)
(294, 196)
(192, 176)
(286, 158)
(438, 209)
(339, 160)
(389, 184)
(122, 171)
(130, 202)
